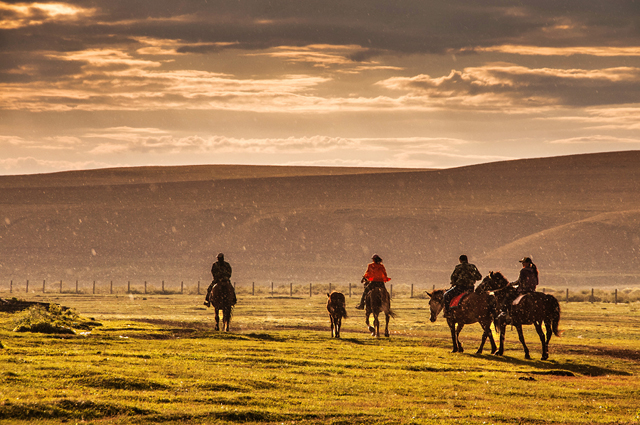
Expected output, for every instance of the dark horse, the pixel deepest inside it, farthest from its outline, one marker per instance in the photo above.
(337, 311)
(477, 306)
(222, 297)
(534, 308)
(377, 301)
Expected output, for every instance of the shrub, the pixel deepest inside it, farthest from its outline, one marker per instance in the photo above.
(55, 319)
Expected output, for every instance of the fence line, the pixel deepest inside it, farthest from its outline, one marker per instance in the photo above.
(270, 288)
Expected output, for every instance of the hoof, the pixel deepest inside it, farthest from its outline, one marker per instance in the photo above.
(527, 357)
(372, 329)
(545, 357)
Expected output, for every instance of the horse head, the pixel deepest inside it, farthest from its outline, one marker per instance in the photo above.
(435, 303)
(494, 281)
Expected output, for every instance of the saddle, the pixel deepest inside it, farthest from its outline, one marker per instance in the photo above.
(455, 302)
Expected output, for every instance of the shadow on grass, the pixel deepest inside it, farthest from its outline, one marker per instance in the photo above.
(67, 409)
(259, 416)
(552, 367)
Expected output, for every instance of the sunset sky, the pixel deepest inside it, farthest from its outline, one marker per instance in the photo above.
(406, 83)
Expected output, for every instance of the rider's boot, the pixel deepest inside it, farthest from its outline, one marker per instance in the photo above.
(361, 305)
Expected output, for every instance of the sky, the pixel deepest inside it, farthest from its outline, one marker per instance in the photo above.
(376, 83)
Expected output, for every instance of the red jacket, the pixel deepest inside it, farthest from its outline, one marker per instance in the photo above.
(376, 273)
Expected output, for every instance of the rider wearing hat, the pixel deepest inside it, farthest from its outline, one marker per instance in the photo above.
(527, 282)
(463, 279)
(376, 275)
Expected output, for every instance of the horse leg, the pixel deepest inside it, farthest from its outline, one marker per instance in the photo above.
(332, 324)
(454, 338)
(524, 345)
(486, 328)
(371, 328)
(217, 319)
(502, 329)
(460, 326)
(227, 318)
(545, 346)
(549, 328)
(338, 325)
(386, 326)
(376, 325)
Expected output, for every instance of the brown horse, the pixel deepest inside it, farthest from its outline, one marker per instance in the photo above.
(377, 301)
(534, 308)
(477, 306)
(223, 297)
(337, 311)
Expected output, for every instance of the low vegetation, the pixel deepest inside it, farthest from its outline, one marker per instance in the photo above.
(157, 359)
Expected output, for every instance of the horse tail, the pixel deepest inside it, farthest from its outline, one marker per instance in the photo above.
(555, 314)
(391, 314)
(342, 311)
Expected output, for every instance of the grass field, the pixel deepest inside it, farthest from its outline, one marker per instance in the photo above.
(156, 358)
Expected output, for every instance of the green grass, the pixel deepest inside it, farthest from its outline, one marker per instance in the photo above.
(157, 359)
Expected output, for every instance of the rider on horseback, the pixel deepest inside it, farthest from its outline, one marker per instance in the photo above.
(463, 279)
(527, 282)
(376, 275)
(221, 271)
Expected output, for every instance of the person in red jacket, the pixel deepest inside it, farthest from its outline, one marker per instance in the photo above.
(376, 275)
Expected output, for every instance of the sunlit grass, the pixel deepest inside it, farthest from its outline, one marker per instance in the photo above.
(158, 360)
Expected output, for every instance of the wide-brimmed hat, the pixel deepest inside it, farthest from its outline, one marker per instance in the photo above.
(526, 260)
(376, 258)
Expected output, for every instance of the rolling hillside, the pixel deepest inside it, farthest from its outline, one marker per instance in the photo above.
(577, 216)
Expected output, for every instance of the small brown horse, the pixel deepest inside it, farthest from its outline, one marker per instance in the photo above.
(223, 297)
(336, 306)
(377, 301)
(477, 306)
(534, 308)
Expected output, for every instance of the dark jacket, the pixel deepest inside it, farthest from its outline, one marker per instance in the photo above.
(528, 279)
(465, 276)
(221, 271)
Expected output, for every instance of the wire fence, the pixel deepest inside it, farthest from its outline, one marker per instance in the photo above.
(270, 289)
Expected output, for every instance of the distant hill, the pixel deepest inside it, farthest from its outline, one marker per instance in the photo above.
(577, 216)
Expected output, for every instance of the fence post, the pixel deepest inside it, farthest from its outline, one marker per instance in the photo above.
(198, 287)
(163, 286)
(128, 286)
(27, 285)
(94, 287)
(182, 287)
(253, 288)
(76, 286)
(615, 297)
(592, 298)
(43, 285)
(309, 289)
(391, 293)
(412, 290)
(329, 287)
(349, 289)
(145, 286)
(61, 286)
(272, 289)
(567, 295)
(291, 289)
(111, 287)
(11, 287)
(434, 287)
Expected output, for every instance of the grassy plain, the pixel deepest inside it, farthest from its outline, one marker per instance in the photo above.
(157, 359)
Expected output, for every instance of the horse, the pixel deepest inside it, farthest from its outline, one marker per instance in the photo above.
(337, 311)
(378, 300)
(223, 297)
(477, 306)
(534, 308)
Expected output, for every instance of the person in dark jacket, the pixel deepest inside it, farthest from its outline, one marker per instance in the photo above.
(463, 279)
(527, 282)
(221, 271)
